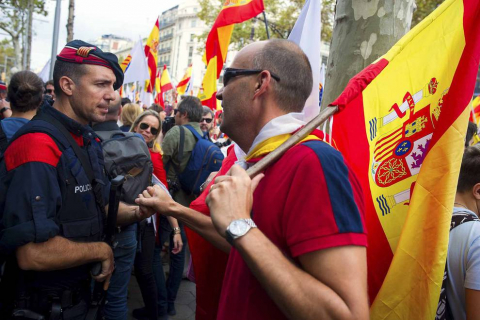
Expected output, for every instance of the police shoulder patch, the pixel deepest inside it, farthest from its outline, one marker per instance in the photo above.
(32, 147)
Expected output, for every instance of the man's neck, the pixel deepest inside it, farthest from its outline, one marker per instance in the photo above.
(63, 105)
(466, 201)
(25, 115)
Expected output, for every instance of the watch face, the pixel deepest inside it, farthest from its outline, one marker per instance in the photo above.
(238, 227)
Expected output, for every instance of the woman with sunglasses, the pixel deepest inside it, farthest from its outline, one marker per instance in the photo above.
(148, 125)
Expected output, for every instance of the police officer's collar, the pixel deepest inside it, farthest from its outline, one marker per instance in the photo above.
(70, 124)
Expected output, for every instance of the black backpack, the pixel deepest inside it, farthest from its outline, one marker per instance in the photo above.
(126, 154)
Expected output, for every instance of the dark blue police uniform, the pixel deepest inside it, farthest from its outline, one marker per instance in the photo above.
(47, 193)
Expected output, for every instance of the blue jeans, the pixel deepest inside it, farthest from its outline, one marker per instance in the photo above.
(124, 253)
(167, 291)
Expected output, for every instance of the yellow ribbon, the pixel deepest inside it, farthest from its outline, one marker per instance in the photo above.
(267, 146)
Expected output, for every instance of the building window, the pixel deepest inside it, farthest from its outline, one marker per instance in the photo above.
(179, 26)
(189, 61)
(194, 23)
(195, 9)
(192, 37)
(190, 52)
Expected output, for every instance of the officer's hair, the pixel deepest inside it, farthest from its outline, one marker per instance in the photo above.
(192, 106)
(25, 91)
(286, 60)
(207, 110)
(469, 170)
(73, 71)
(154, 144)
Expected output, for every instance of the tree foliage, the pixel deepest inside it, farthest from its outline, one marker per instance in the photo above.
(424, 8)
(281, 17)
(14, 17)
(6, 49)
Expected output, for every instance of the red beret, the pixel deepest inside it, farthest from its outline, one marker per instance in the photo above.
(80, 52)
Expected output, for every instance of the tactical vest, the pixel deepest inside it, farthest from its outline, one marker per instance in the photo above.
(79, 218)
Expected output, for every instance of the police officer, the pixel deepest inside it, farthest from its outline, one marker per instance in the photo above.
(53, 192)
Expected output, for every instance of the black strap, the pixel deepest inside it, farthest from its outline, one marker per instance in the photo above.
(96, 186)
(181, 145)
(3, 140)
(444, 311)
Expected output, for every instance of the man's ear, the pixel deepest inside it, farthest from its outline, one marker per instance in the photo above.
(476, 191)
(263, 80)
(67, 85)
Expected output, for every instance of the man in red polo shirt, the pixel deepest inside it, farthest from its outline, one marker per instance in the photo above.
(297, 243)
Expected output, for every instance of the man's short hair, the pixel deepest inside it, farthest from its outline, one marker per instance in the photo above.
(73, 71)
(125, 101)
(469, 170)
(115, 105)
(285, 59)
(49, 83)
(192, 106)
(207, 110)
(156, 107)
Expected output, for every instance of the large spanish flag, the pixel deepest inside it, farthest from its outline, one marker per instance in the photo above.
(402, 127)
(151, 49)
(216, 47)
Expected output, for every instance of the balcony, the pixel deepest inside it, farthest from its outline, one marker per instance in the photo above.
(165, 25)
(166, 37)
(164, 50)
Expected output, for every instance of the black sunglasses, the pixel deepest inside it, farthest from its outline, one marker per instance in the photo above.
(145, 126)
(207, 120)
(231, 73)
(49, 91)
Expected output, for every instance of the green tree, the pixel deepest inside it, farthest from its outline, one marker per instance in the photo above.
(13, 20)
(424, 8)
(281, 16)
(6, 56)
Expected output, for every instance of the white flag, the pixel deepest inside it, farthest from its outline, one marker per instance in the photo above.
(306, 33)
(45, 73)
(189, 88)
(137, 70)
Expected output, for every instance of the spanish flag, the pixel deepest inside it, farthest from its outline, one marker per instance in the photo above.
(151, 52)
(216, 47)
(163, 85)
(476, 109)
(402, 127)
(183, 84)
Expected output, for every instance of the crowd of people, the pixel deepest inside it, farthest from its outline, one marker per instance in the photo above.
(293, 234)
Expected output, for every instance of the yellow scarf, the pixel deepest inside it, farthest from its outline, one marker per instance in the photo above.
(267, 146)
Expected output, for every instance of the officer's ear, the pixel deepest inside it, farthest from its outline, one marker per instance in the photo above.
(67, 85)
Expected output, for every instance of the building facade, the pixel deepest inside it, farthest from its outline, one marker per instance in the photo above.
(179, 26)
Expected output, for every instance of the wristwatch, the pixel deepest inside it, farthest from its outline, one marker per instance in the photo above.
(176, 231)
(238, 228)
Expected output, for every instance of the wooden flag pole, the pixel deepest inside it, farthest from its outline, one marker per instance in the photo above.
(292, 141)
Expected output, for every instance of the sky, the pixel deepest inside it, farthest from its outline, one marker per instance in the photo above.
(93, 18)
